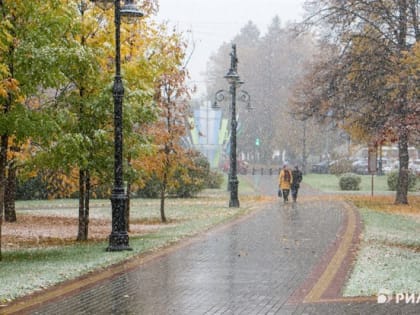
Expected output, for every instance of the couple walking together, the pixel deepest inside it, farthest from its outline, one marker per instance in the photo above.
(289, 180)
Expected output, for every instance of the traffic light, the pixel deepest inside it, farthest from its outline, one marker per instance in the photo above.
(257, 142)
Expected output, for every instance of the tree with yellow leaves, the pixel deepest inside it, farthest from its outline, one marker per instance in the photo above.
(367, 77)
(171, 97)
(29, 60)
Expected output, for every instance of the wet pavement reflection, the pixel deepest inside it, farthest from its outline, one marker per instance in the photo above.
(251, 267)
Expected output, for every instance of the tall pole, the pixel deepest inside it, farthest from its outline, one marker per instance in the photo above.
(233, 78)
(234, 201)
(304, 147)
(234, 82)
(118, 239)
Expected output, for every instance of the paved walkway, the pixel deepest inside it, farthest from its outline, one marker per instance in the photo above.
(283, 259)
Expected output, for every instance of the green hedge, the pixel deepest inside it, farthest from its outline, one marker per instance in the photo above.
(393, 181)
(214, 180)
(350, 181)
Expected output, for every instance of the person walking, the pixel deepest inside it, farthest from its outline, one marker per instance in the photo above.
(297, 178)
(285, 182)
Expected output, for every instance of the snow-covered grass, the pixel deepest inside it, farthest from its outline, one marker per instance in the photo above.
(382, 267)
(389, 258)
(29, 270)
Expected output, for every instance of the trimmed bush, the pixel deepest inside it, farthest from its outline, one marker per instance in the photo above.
(214, 180)
(393, 181)
(350, 181)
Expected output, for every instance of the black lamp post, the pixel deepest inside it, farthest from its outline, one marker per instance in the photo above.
(118, 239)
(234, 81)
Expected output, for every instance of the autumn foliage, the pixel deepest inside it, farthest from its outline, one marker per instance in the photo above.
(386, 204)
(366, 77)
(56, 102)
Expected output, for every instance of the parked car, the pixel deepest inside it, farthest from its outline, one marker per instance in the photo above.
(360, 167)
(388, 165)
(340, 166)
(322, 167)
(415, 166)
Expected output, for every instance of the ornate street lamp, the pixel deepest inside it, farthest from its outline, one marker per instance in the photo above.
(234, 82)
(118, 239)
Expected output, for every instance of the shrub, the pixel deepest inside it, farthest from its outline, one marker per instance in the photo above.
(32, 188)
(214, 180)
(188, 179)
(191, 179)
(186, 186)
(350, 181)
(393, 181)
(151, 189)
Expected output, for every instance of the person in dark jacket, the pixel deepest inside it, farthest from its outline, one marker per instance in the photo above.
(297, 178)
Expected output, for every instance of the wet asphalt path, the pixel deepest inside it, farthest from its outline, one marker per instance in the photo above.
(251, 267)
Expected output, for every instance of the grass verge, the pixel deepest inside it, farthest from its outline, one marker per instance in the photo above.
(389, 254)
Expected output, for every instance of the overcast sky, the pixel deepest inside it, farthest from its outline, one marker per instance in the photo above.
(213, 22)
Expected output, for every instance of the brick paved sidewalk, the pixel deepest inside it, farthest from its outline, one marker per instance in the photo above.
(271, 262)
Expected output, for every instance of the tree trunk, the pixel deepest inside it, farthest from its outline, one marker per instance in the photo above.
(10, 194)
(304, 155)
(127, 206)
(162, 206)
(162, 198)
(84, 194)
(402, 187)
(1, 222)
(87, 205)
(80, 234)
(3, 162)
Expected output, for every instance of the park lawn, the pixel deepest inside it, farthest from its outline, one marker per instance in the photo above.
(330, 183)
(27, 270)
(389, 254)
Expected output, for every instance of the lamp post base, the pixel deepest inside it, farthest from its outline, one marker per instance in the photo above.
(118, 242)
(234, 201)
(118, 239)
